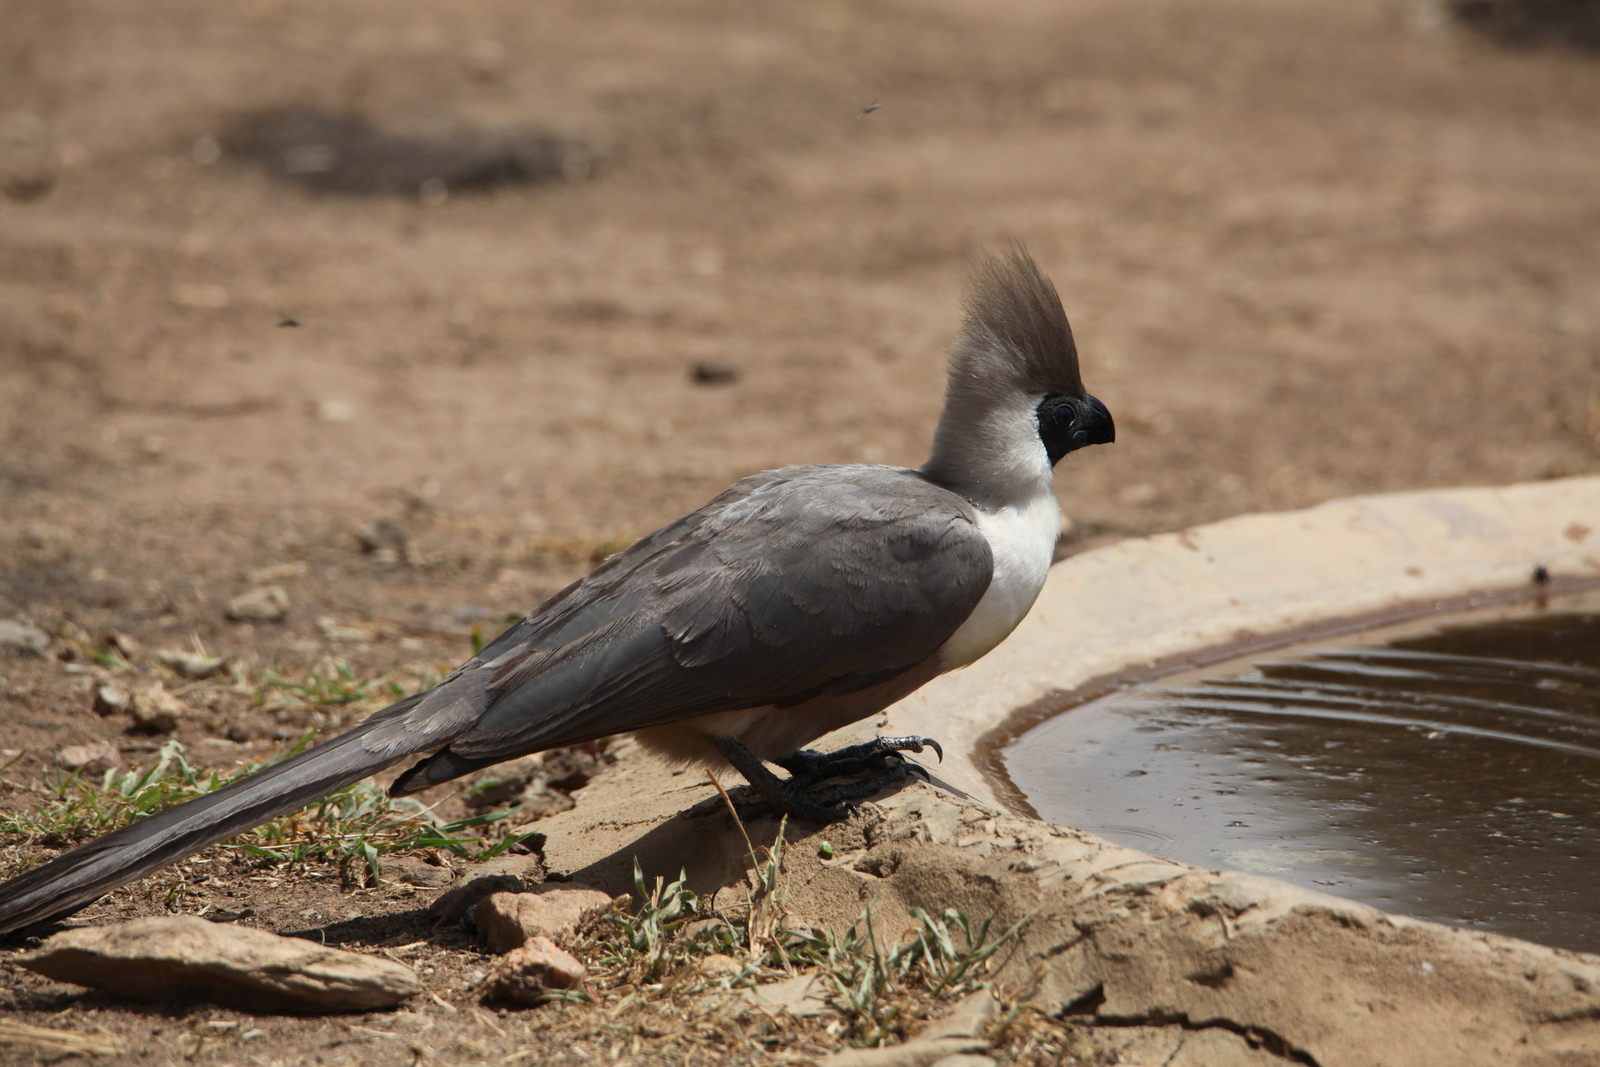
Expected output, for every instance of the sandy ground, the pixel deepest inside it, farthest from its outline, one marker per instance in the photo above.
(1308, 251)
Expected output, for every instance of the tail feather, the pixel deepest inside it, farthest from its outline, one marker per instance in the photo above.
(77, 878)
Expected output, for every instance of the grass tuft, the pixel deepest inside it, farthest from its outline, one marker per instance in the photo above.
(356, 825)
(880, 990)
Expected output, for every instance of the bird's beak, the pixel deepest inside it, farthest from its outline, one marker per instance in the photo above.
(1092, 426)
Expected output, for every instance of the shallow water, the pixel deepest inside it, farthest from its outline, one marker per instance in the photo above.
(1451, 773)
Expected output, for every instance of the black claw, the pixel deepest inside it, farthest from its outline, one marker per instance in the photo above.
(938, 750)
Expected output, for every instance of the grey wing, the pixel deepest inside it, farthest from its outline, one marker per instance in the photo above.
(794, 584)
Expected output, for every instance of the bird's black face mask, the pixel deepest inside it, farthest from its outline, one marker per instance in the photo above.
(1068, 423)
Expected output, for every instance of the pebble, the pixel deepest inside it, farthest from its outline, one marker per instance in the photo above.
(714, 372)
(110, 699)
(508, 920)
(524, 975)
(92, 759)
(194, 665)
(155, 710)
(267, 603)
(718, 965)
(22, 637)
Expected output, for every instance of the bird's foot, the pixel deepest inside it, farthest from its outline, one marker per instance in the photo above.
(810, 766)
(791, 796)
(826, 804)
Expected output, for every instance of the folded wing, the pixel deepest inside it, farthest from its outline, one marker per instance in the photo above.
(793, 584)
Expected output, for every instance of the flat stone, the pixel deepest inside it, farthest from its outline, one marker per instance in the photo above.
(268, 603)
(526, 974)
(181, 959)
(414, 870)
(965, 1059)
(22, 637)
(803, 996)
(508, 920)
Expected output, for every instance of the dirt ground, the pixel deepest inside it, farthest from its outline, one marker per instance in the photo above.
(1308, 250)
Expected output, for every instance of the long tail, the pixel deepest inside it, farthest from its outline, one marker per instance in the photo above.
(77, 878)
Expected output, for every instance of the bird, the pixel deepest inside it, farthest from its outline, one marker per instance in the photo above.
(797, 602)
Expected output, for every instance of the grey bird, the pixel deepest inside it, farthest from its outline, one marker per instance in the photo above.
(799, 601)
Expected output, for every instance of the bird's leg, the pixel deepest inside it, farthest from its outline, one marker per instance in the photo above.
(810, 766)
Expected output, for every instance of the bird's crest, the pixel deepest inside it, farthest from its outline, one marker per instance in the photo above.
(1014, 330)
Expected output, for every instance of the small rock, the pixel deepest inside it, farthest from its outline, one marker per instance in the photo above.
(453, 905)
(714, 372)
(414, 870)
(92, 759)
(526, 974)
(507, 920)
(155, 710)
(333, 630)
(268, 603)
(718, 965)
(189, 664)
(22, 637)
(111, 699)
(182, 959)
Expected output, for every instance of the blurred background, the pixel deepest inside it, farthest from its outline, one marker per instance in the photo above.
(417, 309)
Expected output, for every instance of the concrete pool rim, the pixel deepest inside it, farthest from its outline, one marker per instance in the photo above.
(1147, 607)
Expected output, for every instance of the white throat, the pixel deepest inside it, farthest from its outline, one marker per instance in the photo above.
(1023, 540)
(1022, 534)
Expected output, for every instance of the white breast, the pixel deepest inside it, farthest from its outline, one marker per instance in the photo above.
(1023, 540)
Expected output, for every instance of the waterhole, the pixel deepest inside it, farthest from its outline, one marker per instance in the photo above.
(1449, 771)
